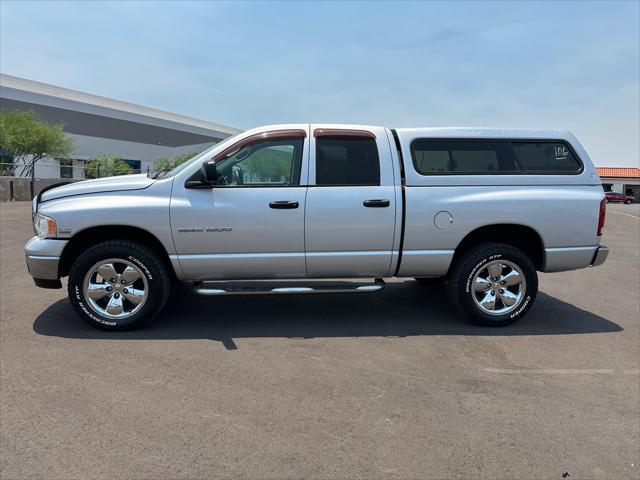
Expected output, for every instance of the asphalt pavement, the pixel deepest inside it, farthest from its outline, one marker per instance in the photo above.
(390, 385)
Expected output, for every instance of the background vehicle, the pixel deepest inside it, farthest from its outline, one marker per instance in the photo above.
(290, 204)
(618, 197)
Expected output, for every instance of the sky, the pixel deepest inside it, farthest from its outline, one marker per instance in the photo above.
(573, 65)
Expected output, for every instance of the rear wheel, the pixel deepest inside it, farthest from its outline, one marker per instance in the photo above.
(493, 284)
(627, 202)
(118, 285)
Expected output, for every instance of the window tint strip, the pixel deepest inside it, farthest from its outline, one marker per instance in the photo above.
(342, 132)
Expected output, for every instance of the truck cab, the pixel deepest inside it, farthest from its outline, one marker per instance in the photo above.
(295, 201)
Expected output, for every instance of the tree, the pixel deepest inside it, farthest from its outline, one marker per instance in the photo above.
(163, 163)
(6, 164)
(166, 163)
(26, 139)
(104, 165)
(267, 164)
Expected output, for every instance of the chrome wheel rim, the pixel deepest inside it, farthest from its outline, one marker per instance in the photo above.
(498, 287)
(115, 288)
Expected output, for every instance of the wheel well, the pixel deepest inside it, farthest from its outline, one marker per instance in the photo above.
(519, 236)
(92, 236)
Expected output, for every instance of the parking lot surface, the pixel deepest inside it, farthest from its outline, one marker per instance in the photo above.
(388, 385)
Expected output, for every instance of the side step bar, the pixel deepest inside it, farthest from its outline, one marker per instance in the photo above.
(284, 288)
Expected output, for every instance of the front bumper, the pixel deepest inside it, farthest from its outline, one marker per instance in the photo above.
(600, 256)
(43, 258)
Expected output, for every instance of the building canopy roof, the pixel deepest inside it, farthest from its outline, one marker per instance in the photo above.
(87, 114)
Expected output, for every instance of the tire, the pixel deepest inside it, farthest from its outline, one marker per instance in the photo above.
(113, 306)
(627, 202)
(474, 264)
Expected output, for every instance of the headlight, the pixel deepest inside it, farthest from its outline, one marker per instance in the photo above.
(44, 226)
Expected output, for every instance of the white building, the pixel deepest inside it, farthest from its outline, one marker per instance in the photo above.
(621, 180)
(99, 125)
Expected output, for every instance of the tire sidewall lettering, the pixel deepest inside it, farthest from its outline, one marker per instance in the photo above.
(141, 265)
(87, 311)
(522, 308)
(477, 267)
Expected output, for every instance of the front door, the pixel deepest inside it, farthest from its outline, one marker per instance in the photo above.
(250, 225)
(351, 203)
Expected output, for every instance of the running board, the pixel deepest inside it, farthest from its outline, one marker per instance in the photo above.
(284, 288)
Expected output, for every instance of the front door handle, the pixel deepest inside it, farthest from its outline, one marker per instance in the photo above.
(378, 203)
(280, 204)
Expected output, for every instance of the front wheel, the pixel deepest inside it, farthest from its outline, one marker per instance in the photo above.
(493, 284)
(627, 202)
(118, 285)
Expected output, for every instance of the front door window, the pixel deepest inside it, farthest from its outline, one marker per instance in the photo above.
(265, 163)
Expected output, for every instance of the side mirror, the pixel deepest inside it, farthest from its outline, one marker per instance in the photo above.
(206, 177)
(209, 173)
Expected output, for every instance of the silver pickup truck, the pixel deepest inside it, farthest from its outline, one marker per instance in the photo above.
(289, 209)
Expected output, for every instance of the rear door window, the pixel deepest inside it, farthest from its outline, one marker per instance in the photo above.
(546, 157)
(343, 160)
(451, 157)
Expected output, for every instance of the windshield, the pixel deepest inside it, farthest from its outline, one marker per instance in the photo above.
(174, 171)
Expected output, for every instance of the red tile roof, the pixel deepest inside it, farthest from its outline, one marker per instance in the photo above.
(619, 172)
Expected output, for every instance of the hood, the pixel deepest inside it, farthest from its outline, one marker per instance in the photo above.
(99, 185)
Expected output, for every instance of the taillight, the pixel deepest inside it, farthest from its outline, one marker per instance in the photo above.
(603, 211)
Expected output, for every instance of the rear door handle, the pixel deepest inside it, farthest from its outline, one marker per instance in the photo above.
(378, 203)
(281, 204)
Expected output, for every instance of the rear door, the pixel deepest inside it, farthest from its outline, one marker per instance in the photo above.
(351, 205)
